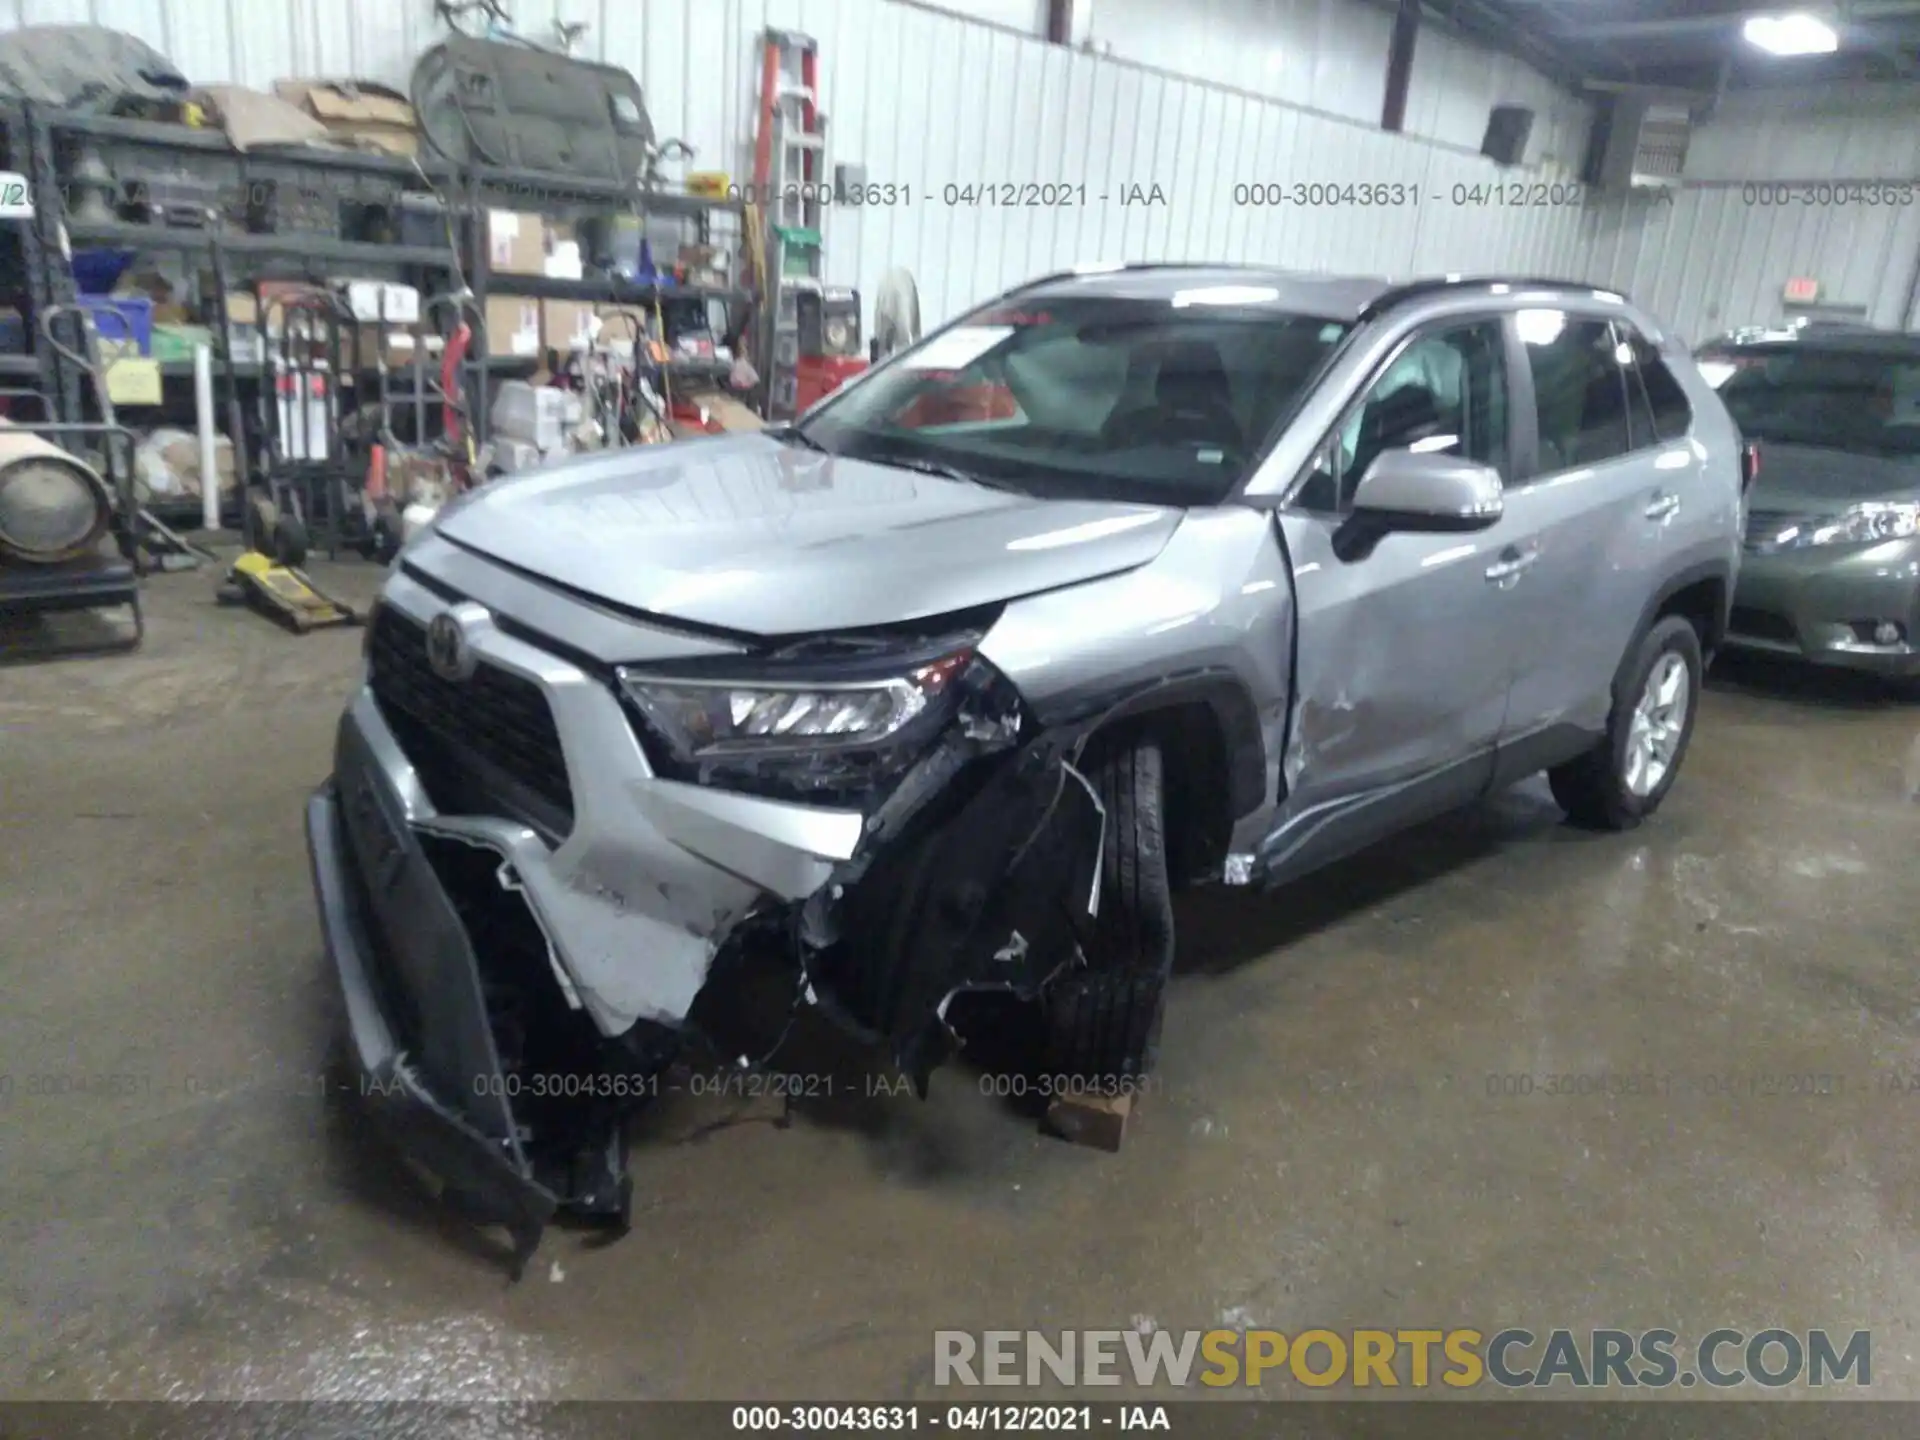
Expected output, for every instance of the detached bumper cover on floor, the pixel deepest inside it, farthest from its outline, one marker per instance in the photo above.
(433, 1124)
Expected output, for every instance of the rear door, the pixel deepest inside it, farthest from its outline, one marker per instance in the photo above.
(1401, 673)
(1588, 496)
(1692, 485)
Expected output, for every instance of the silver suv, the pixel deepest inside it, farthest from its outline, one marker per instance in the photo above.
(1128, 580)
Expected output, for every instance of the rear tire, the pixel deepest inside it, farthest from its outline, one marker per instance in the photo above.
(1103, 1022)
(1626, 775)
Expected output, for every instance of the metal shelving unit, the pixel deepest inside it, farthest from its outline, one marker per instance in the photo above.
(62, 377)
(608, 290)
(127, 235)
(231, 231)
(486, 188)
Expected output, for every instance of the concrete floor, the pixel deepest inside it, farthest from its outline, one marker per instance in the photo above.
(1322, 1149)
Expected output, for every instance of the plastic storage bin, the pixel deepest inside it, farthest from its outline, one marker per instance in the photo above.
(124, 323)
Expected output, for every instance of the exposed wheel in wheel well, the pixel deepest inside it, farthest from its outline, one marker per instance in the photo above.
(1197, 813)
(1704, 605)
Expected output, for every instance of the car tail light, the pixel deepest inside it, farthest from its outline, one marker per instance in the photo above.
(1749, 465)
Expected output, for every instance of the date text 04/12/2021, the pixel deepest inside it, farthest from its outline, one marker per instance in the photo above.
(969, 194)
(1377, 194)
(1065, 194)
(1015, 1419)
(753, 1084)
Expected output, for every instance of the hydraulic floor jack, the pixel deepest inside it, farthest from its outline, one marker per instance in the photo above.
(283, 593)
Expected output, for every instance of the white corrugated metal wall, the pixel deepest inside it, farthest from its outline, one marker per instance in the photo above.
(1330, 55)
(925, 98)
(1719, 252)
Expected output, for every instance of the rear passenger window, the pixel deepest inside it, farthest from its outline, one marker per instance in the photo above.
(1672, 415)
(1579, 388)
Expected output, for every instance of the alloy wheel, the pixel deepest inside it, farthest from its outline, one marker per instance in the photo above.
(1659, 721)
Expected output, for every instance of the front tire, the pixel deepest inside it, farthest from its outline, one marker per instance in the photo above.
(1103, 1022)
(1626, 775)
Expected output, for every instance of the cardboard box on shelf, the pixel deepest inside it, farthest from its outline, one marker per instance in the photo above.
(537, 415)
(397, 354)
(565, 324)
(366, 114)
(244, 309)
(560, 248)
(563, 260)
(516, 243)
(513, 326)
(375, 299)
(621, 328)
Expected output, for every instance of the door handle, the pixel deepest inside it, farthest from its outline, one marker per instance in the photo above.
(1511, 565)
(1662, 506)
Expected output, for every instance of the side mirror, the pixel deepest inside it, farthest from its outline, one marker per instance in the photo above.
(1429, 493)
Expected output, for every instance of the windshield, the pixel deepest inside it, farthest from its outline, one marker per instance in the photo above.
(1854, 401)
(1094, 397)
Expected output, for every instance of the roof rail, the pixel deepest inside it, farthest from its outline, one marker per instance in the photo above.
(1131, 266)
(1415, 289)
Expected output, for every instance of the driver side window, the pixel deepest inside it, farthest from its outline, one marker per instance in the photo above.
(1445, 392)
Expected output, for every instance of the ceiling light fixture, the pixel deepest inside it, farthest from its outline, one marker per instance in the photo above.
(1795, 34)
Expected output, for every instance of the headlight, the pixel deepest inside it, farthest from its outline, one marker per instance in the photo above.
(1857, 525)
(704, 720)
(816, 732)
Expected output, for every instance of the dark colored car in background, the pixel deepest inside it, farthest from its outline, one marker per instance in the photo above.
(1831, 571)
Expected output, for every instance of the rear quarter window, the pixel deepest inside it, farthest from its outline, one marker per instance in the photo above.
(1671, 412)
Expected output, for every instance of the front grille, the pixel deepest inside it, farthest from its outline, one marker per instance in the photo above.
(1761, 624)
(484, 745)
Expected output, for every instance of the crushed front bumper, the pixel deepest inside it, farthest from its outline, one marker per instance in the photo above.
(463, 1135)
(1823, 604)
(422, 963)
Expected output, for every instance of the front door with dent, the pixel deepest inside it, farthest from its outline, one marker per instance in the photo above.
(1402, 665)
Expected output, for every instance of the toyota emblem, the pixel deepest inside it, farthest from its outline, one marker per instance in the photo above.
(448, 650)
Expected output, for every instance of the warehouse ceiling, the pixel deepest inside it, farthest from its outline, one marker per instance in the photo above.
(1693, 45)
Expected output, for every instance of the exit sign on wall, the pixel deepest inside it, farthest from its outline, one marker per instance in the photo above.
(1802, 291)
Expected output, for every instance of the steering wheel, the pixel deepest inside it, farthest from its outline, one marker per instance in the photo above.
(1192, 425)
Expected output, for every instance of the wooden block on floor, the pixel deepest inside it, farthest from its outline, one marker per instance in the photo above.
(1096, 1120)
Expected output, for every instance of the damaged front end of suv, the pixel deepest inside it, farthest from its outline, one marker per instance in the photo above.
(530, 864)
(892, 697)
(978, 860)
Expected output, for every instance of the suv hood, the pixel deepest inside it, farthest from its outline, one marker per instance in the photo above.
(1804, 480)
(747, 534)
